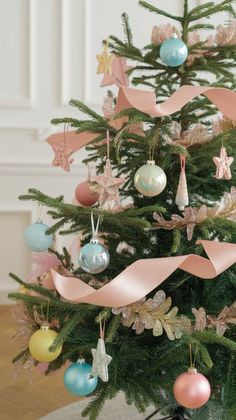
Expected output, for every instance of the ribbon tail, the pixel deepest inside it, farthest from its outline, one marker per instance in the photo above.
(132, 284)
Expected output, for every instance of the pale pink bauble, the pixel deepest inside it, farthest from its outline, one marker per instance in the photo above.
(192, 389)
(84, 195)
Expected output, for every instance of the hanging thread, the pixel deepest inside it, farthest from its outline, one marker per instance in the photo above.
(108, 145)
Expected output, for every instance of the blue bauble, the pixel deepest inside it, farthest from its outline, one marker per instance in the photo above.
(78, 379)
(173, 52)
(36, 238)
(94, 257)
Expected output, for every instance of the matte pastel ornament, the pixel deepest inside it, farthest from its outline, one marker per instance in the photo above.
(36, 238)
(173, 52)
(85, 195)
(192, 389)
(78, 379)
(150, 179)
(40, 342)
(94, 257)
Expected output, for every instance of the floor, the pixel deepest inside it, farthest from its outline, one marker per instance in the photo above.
(20, 400)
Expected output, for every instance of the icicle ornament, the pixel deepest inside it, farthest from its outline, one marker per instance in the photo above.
(181, 199)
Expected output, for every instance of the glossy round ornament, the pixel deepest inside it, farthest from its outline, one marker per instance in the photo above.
(192, 389)
(173, 52)
(85, 195)
(94, 257)
(78, 379)
(150, 179)
(36, 238)
(40, 342)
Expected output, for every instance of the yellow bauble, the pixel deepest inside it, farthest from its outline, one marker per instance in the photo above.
(40, 342)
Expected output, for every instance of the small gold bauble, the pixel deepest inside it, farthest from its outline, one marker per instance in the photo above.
(40, 342)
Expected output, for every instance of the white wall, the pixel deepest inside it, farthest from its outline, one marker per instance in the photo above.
(47, 50)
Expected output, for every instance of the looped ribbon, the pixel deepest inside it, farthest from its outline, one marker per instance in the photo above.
(145, 275)
(224, 99)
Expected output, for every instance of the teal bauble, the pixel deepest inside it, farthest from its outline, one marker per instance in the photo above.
(150, 179)
(94, 257)
(173, 52)
(36, 238)
(78, 379)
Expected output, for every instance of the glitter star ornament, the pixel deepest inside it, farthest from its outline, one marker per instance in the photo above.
(109, 197)
(62, 157)
(117, 76)
(105, 61)
(101, 359)
(223, 164)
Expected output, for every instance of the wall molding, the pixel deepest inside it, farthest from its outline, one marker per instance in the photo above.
(41, 168)
(63, 61)
(29, 100)
(67, 65)
(87, 47)
(39, 132)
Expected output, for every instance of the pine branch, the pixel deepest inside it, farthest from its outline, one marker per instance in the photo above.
(201, 26)
(225, 6)
(24, 353)
(66, 331)
(95, 406)
(73, 122)
(154, 9)
(210, 337)
(230, 384)
(34, 287)
(85, 109)
(126, 27)
(59, 305)
(112, 329)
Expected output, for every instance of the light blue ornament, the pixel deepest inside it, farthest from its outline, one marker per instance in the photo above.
(173, 52)
(36, 238)
(78, 379)
(94, 257)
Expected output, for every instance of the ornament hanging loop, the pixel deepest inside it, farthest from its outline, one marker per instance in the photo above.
(108, 144)
(94, 229)
(191, 356)
(39, 215)
(102, 329)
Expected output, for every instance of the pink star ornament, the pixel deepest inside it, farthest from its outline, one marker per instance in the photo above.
(118, 75)
(223, 164)
(109, 198)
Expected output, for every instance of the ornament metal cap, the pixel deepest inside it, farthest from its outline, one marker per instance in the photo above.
(94, 240)
(192, 370)
(44, 327)
(81, 361)
(151, 162)
(39, 220)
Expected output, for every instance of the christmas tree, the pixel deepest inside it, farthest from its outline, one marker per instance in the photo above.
(163, 190)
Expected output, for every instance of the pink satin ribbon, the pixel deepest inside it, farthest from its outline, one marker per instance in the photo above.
(224, 99)
(143, 276)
